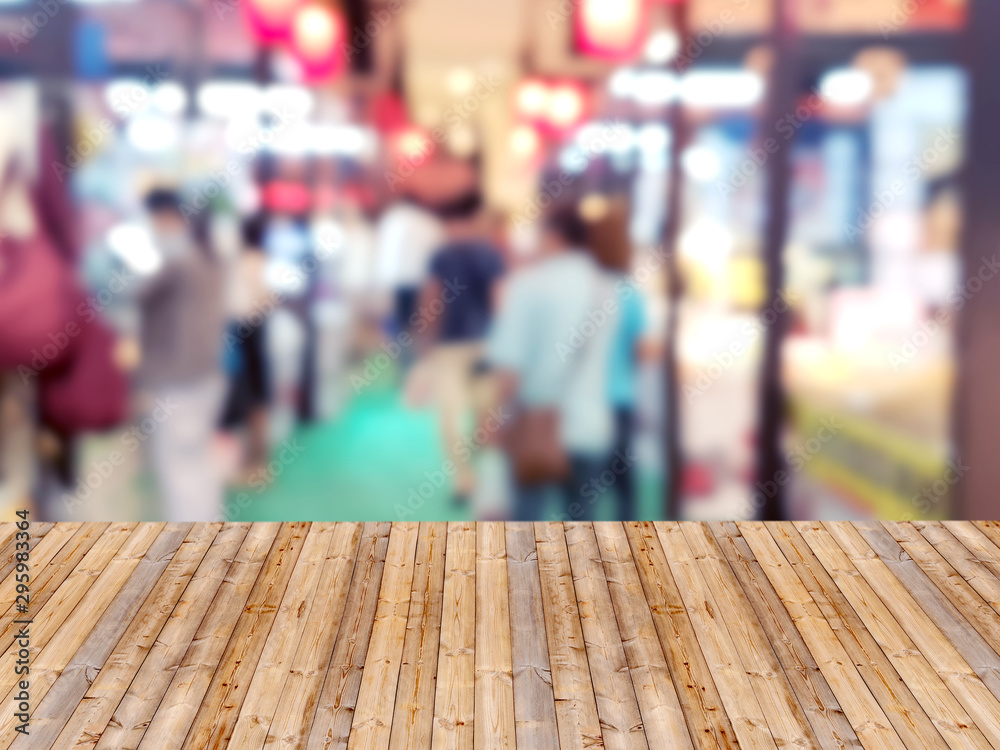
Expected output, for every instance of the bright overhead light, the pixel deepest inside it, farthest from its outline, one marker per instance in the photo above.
(341, 140)
(524, 142)
(125, 96)
(170, 98)
(707, 243)
(565, 106)
(655, 88)
(228, 99)
(532, 98)
(460, 81)
(297, 101)
(622, 83)
(662, 46)
(847, 86)
(701, 164)
(720, 89)
(134, 245)
(653, 139)
(152, 134)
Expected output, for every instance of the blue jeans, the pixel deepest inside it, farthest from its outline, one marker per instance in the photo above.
(574, 499)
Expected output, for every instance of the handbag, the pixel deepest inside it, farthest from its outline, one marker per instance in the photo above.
(90, 391)
(35, 289)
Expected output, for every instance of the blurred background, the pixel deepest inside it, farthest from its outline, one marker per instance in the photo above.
(448, 259)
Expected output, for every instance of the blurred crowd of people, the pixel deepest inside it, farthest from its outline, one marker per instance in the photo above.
(528, 358)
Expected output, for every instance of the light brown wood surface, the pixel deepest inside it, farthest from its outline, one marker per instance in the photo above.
(545, 636)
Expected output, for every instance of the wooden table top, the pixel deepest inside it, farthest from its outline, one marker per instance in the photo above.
(492, 635)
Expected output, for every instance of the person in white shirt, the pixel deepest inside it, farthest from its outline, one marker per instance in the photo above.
(407, 236)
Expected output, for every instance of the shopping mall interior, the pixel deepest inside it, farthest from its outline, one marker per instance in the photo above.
(231, 229)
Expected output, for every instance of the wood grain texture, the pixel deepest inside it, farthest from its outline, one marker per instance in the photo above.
(373, 713)
(543, 636)
(576, 702)
(413, 713)
(494, 718)
(331, 726)
(454, 703)
(534, 703)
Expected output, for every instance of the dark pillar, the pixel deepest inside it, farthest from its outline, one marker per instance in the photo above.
(977, 401)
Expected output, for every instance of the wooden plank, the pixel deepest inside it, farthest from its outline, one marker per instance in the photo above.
(956, 572)
(85, 725)
(413, 714)
(827, 719)
(297, 707)
(617, 706)
(494, 694)
(8, 554)
(268, 680)
(45, 580)
(576, 705)
(214, 723)
(731, 678)
(976, 651)
(58, 600)
(869, 721)
(785, 718)
(189, 683)
(534, 703)
(977, 541)
(61, 681)
(693, 680)
(991, 529)
(454, 703)
(376, 698)
(662, 718)
(940, 705)
(66, 621)
(135, 711)
(904, 711)
(41, 554)
(331, 727)
(944, 657)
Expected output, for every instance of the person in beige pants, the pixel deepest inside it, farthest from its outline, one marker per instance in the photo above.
(455, 311)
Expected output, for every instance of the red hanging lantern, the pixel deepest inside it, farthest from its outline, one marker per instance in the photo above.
(271, 20)
(612, 29)
(318, 32)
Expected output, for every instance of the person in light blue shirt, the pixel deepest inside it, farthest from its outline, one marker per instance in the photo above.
(550, 345)
(622, 378)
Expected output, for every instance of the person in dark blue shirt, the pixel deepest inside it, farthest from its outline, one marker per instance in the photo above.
(455, 313)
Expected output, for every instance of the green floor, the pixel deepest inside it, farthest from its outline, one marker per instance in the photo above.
(364, 465)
